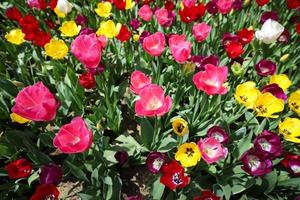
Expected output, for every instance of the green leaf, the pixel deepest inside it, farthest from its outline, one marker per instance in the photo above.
(227, 191)
(157, 189)
(33, 177)
(167, 144)
(76, 171)
(293, 182)
(8, 87)
(270, 181)
(147, 132)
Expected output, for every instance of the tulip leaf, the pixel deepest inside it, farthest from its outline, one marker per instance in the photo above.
(147, 132)
(157, 189)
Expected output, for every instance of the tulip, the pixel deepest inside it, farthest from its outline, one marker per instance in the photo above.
(256, 163)
(180, 126)
(135, 24)
(201, 61)
(173, 176)
(74, 137)
(269, 15)
(36, 103)
(212, 150)
(201, 31)
(211, 80)
(229, 37)
(180, 48)
(281, 80)
(188, 154)
(292, 163)
(290, 129)
(265, 68)
(207, 195)
(13, 13)
(247, 94)
(294, 101)
(87, 49)
(154, 44)
(262, 2)
(19, 119)
(275, 90)
(164, 17)
(145, 13)
(267, 105)
(63, 7)
(224, 6)
(269, 142)
(245, 36)
(81, 20)
(56, 49)
(189, 3)
(211, 7)
(152, 102)
(51, 174)
(46, 191)
(269, 32)
(155, 161)
(87, 80)
(109, 29)
(121, 157)
(104, 9)
(69, 29)
(218, 133)
(138, 81)
(15, 36)
(21, 168)
(234, 49)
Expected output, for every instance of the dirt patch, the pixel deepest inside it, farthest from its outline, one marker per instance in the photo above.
(68, 190)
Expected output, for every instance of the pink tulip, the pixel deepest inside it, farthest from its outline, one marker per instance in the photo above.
(145, 13)
(201, 31)
(36, 103)
(154, 44)
(103, 41)
(211, 80)
(74, 137)
(34, 4)
(87, 49)
(212, 150)
(189, 3)
(225, 6)
(180, 48)
(138, 81)
(152, 102)
(164, 17)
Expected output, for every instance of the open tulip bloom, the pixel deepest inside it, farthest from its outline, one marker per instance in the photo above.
(145, 99)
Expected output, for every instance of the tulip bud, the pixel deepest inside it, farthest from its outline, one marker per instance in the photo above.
(284, 58)
(188, 68)
(237, 69)
(136, 37)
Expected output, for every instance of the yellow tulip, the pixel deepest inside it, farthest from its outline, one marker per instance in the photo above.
(294, 102)
(103, 9)
(56, 49)
(267, 104)
(136, 37)
(281, 80)
(188, 154)
(246, 94)
(109, 29)
(69, 29)
(59, 13)
(180, 126)
(19, 119)
(290, 129)
(129, 4)
(15, 36)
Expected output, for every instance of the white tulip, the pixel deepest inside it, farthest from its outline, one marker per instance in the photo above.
(64, 6)
(269, 32)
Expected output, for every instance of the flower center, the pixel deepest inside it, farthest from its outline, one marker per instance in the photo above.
(295, 168)
(50, 197)
(154, 104)
(189, 152)
(180, 128)
(211, 152)
(243, 98)
(157, 163)
(295, 105)
(254, 163)
(176, 179)
(262, 109)
(265, 145)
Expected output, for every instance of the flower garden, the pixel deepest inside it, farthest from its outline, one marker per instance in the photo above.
(136, 100)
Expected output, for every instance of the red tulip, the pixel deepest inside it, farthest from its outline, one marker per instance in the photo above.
(298, 29)
(46, 191)
(87, 80)
(41, 38)
(13, 13)
(262, 2)
(29, 23)
(234, 49)
(188, 15)
(245, 36)
(19, 169)
(293, 4)
(74, 137)
(206, 194)
(120, 4)
(124, 34)
(36, 103)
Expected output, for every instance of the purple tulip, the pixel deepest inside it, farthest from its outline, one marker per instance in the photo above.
(81, 20)
(201, 61)
(265, 68)
(135, 24)
(155, 161)
(98, 70)
(269, 15)
(237, 5)
(86, 31)
(218, 133)
(284, 37)
(211, 7)
(229, 37)
(121, 157)
(51, 174)
(269, 143)
(275, 90)
(256, 163)
(143, 35)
